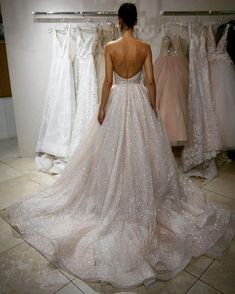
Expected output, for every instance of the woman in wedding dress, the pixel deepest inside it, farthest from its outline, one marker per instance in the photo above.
(121, 212)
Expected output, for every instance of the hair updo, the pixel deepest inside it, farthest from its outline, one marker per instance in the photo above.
(128, 14)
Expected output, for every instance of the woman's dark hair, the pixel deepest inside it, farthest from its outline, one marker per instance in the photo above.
(128, 13)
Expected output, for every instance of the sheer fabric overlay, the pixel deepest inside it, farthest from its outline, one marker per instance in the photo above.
(222, 76)
(204, 138)
(121, 212)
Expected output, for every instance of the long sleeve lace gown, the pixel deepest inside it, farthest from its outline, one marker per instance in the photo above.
(121, 212)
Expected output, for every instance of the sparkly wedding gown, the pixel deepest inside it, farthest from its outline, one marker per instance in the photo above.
(121, 212)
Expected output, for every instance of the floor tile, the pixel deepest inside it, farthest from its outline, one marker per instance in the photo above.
(179, 285)
(220, 273)
(201, 288)
(68, 275)
(69, 289)
(88, 288)
(42, 178)
(230, 168)
(16, 189)
(9, 237)
(24, 270)
(23, 165)
(7, 172)
(198, 266)
(9, 153)
(224, 185)
(220, 200)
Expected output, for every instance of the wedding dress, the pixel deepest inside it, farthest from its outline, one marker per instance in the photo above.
(85, 82)
(171, 77)
(106, 33)
(121, 212)
(58, 114)
(222, 77)
(204, 140)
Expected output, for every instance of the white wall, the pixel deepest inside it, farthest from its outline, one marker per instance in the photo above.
(28, 49)
(7, 118)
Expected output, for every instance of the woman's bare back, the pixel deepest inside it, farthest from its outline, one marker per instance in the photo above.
(128, 56)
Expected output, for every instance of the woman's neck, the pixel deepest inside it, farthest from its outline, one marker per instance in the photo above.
(127, 33)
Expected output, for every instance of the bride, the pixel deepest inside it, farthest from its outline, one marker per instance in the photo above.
(121, 212)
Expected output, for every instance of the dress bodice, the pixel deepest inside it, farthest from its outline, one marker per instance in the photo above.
(61, 48)
(86, 41)
(136, 79)
(217, 52)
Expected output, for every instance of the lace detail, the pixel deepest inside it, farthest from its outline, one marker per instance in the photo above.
(222, 77)
(203, 127)
(217, 52)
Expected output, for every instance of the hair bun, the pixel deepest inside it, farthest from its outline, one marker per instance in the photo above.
(128, 13)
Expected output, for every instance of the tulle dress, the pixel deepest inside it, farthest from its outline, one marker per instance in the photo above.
(222, 77)
(121, 212)
(171, 77)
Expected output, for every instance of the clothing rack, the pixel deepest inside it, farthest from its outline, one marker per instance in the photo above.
(77, 13)
(196, 12)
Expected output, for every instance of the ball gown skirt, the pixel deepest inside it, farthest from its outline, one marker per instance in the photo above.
(121, 212)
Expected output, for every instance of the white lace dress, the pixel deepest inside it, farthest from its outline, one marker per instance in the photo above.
(222, 76)
(204, 138)
(121, 212)
(59, 109)
(85, 83)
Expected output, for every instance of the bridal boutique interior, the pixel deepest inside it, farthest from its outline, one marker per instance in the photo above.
(53, 68)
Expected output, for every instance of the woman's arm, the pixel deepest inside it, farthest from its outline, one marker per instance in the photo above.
(108, 81)
(150, 82)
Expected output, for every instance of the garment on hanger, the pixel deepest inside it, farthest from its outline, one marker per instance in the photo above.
(85, 82)
(59, 109)
(121, 212)
(230, 37)
(204, 140)
(106, 33)
(171, 77)
(222, 77)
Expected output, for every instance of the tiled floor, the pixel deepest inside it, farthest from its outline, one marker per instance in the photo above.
(24, 270)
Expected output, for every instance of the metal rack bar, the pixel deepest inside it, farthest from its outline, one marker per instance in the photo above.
(197, 12)
(78, 13)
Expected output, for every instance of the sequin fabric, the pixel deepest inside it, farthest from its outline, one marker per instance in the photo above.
(204, 140)
(121, 212)
(59, 109)
(106, 33)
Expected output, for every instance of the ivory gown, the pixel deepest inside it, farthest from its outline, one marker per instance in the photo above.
(222, 77)
(121, 212)
(85, 82)
(204, 141)
(59, 109)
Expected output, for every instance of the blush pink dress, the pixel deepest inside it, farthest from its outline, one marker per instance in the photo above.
(171, 77)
